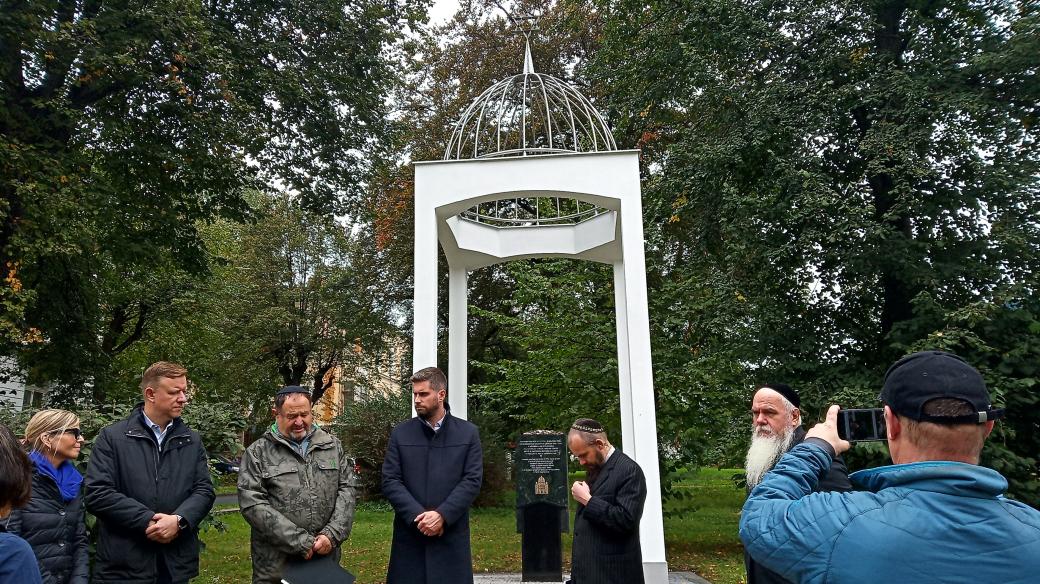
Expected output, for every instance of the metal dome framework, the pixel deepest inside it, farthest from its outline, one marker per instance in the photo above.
(530, 114)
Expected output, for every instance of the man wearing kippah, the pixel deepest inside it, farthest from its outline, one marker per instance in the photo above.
(776, 427)
(933, 516)
(610, 503)
(296, 489)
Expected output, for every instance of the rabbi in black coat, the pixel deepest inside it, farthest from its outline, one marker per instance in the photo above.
(610, 503)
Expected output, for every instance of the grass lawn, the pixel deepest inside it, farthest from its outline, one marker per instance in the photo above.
(700, 535)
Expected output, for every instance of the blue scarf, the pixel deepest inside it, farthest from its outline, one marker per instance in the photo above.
(65, 476)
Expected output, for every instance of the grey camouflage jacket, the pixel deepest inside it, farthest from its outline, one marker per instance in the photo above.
(289, 500)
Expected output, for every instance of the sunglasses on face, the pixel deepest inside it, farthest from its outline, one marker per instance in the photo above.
(76, 433)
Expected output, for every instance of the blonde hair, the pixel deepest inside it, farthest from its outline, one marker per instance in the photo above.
(47, 422)
(160, 369)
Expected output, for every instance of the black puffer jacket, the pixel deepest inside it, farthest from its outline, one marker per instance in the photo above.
(56, 532)
(129, 479)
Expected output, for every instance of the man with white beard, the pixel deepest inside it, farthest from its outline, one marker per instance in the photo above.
(776, 427)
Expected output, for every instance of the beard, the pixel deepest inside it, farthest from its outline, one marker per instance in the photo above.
(766, 449)
(593, 469)
(429, 414)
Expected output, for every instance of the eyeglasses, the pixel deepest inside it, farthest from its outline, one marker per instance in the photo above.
(76, 433)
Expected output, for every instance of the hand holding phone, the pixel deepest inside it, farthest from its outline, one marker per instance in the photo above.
(827, 430)
(862, 425)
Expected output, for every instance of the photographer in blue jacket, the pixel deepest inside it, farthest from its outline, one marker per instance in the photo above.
(933, 516)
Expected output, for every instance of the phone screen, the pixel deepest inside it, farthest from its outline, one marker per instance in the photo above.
(861, 425)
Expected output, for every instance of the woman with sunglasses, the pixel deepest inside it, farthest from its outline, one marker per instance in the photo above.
(52, 522)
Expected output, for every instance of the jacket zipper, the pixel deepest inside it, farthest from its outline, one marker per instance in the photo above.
(158, 451)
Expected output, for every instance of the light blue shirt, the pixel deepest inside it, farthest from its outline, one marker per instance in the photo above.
(160, 433)
(436, 427)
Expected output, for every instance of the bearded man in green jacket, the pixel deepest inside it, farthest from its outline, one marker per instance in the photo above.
(296, 489)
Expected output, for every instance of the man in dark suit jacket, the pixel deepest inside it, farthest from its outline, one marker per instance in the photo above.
(431, 475)
(777, 428)
(606, 526)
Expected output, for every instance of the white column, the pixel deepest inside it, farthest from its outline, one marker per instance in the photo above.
(458, 332)
(628, 434)
(424, 304)
(641, 381)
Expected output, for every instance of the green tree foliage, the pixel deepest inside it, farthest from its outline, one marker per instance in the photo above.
(292, 297)
(123, 125)
(562, 365)
(304, 291)
(822, 179)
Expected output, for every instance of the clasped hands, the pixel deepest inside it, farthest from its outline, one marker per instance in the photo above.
(322, 546)
(162, 528)
(430, 523)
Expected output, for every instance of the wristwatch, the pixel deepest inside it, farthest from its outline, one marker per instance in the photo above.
(182, 523)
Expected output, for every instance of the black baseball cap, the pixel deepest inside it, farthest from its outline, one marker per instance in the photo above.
(916, 379)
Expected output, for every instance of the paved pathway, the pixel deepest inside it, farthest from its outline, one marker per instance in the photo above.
(226, 500)
(673, 578)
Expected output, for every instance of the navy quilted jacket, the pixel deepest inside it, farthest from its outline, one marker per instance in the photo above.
(56, 532)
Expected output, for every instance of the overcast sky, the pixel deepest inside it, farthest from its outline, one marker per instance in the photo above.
(442, 10)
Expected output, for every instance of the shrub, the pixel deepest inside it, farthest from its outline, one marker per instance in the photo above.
(364, 428)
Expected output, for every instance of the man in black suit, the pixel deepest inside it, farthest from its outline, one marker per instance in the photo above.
(610, 504)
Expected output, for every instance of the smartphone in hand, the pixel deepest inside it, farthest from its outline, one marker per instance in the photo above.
(861, 425)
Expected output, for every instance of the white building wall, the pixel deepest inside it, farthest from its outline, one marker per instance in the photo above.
(13, 388)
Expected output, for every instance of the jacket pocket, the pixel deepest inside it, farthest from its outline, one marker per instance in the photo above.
(282, 480)
(119, 555)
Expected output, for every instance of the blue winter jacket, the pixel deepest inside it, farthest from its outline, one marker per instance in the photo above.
(926, 522)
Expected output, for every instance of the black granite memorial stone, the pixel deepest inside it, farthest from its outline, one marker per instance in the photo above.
(541, 503)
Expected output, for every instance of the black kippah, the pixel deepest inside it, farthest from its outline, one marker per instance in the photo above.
(293, 389)
(785, 390)
(587, 425)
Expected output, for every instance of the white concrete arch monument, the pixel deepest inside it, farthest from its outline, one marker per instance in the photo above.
(532, 171)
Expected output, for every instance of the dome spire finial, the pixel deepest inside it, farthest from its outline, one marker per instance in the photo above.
(528, 61)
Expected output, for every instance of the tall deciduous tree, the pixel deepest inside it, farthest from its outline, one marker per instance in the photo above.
(124, 124)
(815, 170)
(305, 295)
(294, 298)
